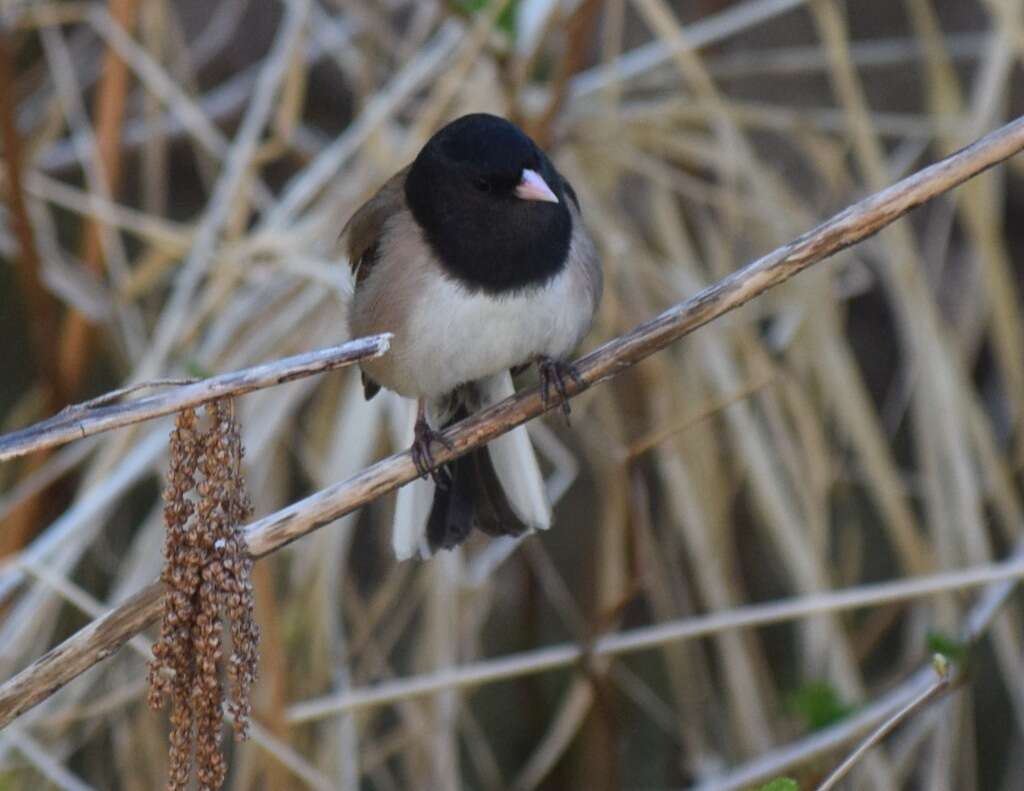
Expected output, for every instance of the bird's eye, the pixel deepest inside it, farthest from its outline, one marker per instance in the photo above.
(483, 184)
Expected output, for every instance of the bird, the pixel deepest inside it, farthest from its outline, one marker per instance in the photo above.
(476, 258)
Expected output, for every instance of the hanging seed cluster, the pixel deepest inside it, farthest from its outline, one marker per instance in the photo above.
(208, 578)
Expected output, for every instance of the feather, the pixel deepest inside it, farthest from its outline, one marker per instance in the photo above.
(515, 461)
(497, 489)
(408, 536)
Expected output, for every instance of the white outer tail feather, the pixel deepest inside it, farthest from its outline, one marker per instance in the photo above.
(515, 463)
(408, 530)
(515, 460)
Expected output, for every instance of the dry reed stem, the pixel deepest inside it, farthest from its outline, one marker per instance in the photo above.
(70, 101)
(229, 187)
(84, 420)
(875, 714)
(579, 30)
(701, 34)
(102, 637)
(645, 638)
(76, 344)
(938, 687)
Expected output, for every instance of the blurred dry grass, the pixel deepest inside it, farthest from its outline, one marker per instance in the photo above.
(863, 423)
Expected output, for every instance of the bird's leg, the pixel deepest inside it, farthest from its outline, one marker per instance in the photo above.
(422, 455)
(554, 373)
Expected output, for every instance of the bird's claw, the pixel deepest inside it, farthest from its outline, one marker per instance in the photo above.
(553, 373)
(423, 455)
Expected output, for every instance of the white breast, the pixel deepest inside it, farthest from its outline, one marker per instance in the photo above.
(451, 335)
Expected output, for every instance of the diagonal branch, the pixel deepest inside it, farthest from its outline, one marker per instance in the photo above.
(942, 683)
(105, 635)
(84, 420)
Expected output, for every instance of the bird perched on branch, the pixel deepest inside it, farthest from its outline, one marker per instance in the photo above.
(475, 256)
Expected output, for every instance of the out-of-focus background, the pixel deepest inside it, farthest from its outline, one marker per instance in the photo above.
(174, 177)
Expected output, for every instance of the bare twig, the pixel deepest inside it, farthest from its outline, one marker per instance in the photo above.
(121, 392)
(648, 637)
(107, 634)
(102, 637)
(713, 29)
(84, 420)
(943, 679)
(828, 740)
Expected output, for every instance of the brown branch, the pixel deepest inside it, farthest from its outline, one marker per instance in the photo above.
(98, 640)
(84, 420)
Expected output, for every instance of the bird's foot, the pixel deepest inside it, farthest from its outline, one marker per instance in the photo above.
(553, 374)
(423, 455)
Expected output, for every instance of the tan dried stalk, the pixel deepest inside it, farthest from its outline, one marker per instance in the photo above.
(208, 577)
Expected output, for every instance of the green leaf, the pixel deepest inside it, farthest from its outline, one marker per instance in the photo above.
(953, 649)
(780, 784)
(819, 704)
(506, 20)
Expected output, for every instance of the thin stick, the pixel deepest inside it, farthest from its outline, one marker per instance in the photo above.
(647, 637)
(710, 30)
(86, 419)
(228, 188)
(121, 392)
(827, 740)
(937, 688)
(100, 638)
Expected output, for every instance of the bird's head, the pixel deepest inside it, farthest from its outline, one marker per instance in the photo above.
(490, 203)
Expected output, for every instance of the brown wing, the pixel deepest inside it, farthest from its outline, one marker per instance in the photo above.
(361, 237)
(361, 234)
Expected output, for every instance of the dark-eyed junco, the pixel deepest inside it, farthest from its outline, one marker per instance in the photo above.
(476, 258)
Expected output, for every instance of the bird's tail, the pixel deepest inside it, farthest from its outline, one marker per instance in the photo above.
(498, 489)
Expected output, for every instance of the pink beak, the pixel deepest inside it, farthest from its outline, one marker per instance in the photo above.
(533, 187)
